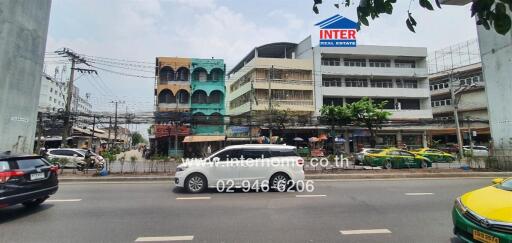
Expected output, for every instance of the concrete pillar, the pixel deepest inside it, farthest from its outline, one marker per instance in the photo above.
(23, 31)
(496, 52)
(424, 139)
(398, 138)
(347, 141)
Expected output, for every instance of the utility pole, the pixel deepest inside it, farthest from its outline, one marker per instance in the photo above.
(251, 97)
(39, 131)
(470, 136)
(456, 116)
(75, 59)
(92, 134)
(115, 119)
(271, 77)
(109, 129)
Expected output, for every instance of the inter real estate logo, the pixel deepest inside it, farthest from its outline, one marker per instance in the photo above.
(337, 31)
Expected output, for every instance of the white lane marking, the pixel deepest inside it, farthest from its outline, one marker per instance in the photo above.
(418, 193)
(306, 195)
(64, 200)
(366, 231)
(164, 238)
(193, 198)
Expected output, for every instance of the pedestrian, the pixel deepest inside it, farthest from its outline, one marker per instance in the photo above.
(209, 149)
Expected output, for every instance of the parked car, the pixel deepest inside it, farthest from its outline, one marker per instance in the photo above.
(359, 158)
(484, 215)
(26, 179)
(73, 155)
(397, 158)
(435, 155)
(478, 151)
(227, 164)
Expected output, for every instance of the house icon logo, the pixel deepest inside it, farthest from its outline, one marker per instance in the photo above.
(337, 31)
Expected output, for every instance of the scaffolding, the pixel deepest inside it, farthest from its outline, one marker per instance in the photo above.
(454, 56)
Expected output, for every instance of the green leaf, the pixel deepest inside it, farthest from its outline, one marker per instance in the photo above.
(409, 25)
(426, 4)
(315, 9)
(413, 21)
(502, 22)
(337, 5)
(438, 4)
(388, 7)
(364, 21)
(318, 2)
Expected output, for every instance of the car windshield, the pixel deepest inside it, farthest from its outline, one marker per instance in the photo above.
(505, 185)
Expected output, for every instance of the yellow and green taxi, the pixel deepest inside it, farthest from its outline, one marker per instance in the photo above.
(485, 215)
(435, 155)
(396, 158)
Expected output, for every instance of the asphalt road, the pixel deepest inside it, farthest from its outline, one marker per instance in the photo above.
(336, 211)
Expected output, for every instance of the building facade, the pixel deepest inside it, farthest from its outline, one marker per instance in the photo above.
(271, 78)
(397, 75)
(52, 97)
(189, 105)
(469, 87)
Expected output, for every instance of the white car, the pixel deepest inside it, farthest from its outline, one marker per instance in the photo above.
(73, 155)
(478, 151)
(359, 158)
(250, 163)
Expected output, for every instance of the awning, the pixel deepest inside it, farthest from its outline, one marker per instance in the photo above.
(200, 139)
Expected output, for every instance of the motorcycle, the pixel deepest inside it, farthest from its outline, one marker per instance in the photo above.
(91, 163)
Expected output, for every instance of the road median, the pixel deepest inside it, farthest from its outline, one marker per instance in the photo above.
(319, 176)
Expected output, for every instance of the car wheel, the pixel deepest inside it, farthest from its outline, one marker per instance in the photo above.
(34, 202)
(388, 165)
(423, 164)
(279, 182)
(195, 183)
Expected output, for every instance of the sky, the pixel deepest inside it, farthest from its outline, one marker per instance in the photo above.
(140, 30)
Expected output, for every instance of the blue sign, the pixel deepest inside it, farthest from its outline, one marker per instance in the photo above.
(338, 31)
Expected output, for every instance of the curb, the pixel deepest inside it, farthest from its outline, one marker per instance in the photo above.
(311, 177)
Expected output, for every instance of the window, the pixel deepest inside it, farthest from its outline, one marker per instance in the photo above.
(332, 101)
(381, 83)
(330, 61)
(405, 64)
(226, 155)
(356, 82)
(255, 153)
(390, 103)
(405, 153)
(408, 84)
(354, 62)
(331, 82)
(279, 152)
(409, 104)
(30, 163)
(4, 166)
(394, 153)
(380, 63)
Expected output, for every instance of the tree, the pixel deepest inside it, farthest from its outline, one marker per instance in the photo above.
(137, 138)
(488, 12)
(370, 115)
(335, 115)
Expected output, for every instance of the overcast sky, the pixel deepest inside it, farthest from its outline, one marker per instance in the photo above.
(143, 29)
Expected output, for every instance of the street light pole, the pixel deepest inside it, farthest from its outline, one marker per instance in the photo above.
(456, 116)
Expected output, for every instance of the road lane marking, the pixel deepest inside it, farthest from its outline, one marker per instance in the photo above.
(193, 198)
(64, 200)
(418, 193)
(164, 238)
(366, 231)
(306, 195)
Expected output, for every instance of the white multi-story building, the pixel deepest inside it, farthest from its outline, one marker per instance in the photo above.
(397, 75)
(394, 74)
(52, 96)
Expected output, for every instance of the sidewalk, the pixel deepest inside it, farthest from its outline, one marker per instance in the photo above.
(398, 174)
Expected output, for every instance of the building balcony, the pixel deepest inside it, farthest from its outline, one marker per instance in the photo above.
(284, 84)
(375, 71)
(410, 114)
(440, 92)
(215, 106)
(375, 92)
(164, 107)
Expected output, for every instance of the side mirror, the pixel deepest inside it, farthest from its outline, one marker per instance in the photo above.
(497, 181)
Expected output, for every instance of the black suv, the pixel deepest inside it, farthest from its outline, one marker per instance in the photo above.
(26, 179)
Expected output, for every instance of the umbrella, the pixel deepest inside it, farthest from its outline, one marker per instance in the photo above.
(322, 137)
(313, 139)
(297, 139)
